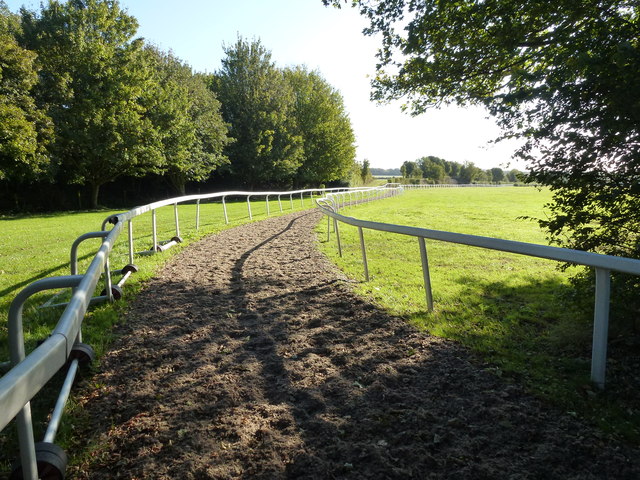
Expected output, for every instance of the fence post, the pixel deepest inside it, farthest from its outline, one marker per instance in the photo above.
(197, 214)
(301, 200)
(175, 214)
(280, 203)
(425, 273)
(154, 234)
(600, 327)
(268, 211)
(224, 208)
(291, 200)
(328, 227)
(27, 443)
(335, 229)
(364, 255)
(249, 207)
(130, 233)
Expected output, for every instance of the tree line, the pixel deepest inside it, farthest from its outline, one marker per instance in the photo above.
(84, 102)
(433, 169)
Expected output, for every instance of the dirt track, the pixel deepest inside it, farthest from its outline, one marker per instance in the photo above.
(249, 357)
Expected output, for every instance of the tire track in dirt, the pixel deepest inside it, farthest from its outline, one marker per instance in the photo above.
(248, 356)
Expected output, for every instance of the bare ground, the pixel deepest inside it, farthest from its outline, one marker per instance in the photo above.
(249, 357)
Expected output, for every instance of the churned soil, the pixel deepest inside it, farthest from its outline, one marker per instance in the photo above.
(249, 356)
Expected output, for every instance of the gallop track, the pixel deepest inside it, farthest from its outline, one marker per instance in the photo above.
(249, 357)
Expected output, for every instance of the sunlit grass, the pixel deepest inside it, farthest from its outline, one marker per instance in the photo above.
(517, 312)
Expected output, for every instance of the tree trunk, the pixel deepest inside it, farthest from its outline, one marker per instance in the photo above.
(95, 190)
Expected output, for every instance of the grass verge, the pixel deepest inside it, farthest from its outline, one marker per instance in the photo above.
(518, 313)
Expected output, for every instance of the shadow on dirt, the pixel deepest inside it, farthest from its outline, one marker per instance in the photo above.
(262, 364)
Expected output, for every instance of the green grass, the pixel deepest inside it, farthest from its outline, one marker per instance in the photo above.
(517, 312)
(38, 246)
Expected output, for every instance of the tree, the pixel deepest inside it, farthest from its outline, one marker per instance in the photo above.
(324, 126)
(410, 169)
(259, 104)
(25, 129)
(497, 175)
(564, 76)
(365, 172)
(186, 115)
(93, 82)
(431, 169)
(469, 173)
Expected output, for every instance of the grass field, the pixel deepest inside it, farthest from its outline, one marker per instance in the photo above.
(518, 313)
(38, 246)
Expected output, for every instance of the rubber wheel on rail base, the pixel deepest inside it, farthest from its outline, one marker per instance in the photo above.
(129, 268)
(51, 461)
(116, 291)
(83, 352)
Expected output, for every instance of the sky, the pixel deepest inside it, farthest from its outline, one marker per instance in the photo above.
(330, 40)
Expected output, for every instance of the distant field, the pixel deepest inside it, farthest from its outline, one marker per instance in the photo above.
(517, 312)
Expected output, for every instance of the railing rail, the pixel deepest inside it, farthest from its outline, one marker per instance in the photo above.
(30, 373)
(603, 264)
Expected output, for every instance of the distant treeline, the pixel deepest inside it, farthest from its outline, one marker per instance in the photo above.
(432, 169)
(85, 108)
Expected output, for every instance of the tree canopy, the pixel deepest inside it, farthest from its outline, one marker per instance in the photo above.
(25, 129)
(325, 128)
(92, 80)
(259, 104)
(84, 101)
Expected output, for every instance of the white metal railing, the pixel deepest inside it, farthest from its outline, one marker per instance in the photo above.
(30, 373)
(603, 264)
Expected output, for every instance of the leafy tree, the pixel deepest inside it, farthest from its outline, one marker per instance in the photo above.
(515, 175)
(497, 174)
(469, 173)
(25, 130)
(563, 75)
(92, 81)
(431, 169)
(365, 172)
(259, 104)
(325, 128)
(186, 115)
(409, 169)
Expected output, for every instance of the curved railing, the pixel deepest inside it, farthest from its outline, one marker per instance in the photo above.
(603, 264)
(30, 373)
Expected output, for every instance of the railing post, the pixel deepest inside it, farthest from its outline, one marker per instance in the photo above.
(600, 327)
(328, 227)
(27, 443)
(249, 207)
(301, 200)
(175, 215)
(280, 203)
(291, 200)
(130, 235)
(267, 201)
(425, 273)
(224, 208)
(154, 234)
(364, 255)
(335, 229)
(197, 214)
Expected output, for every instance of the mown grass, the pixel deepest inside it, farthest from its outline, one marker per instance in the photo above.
(38, 246)
(518, 313)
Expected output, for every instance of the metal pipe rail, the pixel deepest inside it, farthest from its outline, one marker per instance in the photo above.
(30, 373)
(603, 264)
